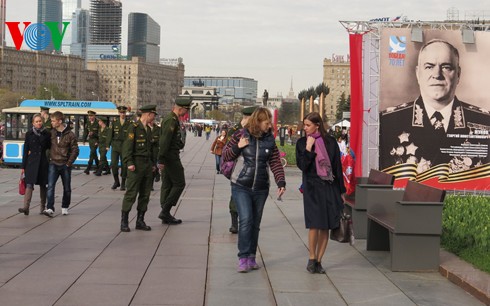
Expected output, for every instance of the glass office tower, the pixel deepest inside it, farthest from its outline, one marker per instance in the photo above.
(143, 37)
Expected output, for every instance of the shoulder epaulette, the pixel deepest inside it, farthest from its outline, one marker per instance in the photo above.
(474, 108)
(393, 109)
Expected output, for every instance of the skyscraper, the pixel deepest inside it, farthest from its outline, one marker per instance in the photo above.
(69, 8)
(105, 22)
(105, 29)
(143, 37)
(79, 39)
(48, 10)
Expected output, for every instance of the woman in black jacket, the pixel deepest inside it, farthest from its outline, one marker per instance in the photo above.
(318, 157)
(35, 162)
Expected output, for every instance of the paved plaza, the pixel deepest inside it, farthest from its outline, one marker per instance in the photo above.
(83, 258)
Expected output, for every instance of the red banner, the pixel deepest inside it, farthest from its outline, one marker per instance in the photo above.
(356, 101)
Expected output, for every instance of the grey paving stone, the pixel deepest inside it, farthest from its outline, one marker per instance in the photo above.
(98, 294)
(83, 258)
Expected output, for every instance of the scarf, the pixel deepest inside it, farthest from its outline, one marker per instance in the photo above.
(38, 132)
(322, 160)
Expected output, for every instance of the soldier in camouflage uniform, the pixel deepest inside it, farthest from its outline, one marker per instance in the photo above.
(171, 142)
(46, 118)
(155, 136)
(247, 112)
(139, 158)
(91, 132)
(116, 139)
(104, 132)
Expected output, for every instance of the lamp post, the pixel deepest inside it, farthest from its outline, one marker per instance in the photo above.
(93, 94)
(20, 100)
(50, 91)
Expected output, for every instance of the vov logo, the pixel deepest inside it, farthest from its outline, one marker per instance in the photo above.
(37, 35)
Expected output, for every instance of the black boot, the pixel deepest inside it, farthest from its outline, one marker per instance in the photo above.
(234, 223)
(98, 172)
(87, 171)
(107, 170)
(123, 184)
(124, 221)
(140, 222)
(116, 181)
(167, 218)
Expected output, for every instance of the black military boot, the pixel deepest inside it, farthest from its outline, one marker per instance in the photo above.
(140, 222)
(87, 171)
(107, 170)
(96, 165)
(167, 218)
(234, 223)
(123, 184)
(116, 181)
(124, 221)
(98, 172)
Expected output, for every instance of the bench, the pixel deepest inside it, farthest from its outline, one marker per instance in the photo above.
(366, 191)
(410, 227)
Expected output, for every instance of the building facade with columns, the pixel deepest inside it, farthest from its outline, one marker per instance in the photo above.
(25, 71)
(336, 75)
(136, 83)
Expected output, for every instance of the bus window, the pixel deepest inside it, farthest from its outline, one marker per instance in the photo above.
(80, 127)
(17, 125)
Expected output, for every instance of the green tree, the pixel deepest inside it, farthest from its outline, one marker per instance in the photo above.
(44, 92)
(343, 105)
(322, 91)
(289, 113)
(216, 115)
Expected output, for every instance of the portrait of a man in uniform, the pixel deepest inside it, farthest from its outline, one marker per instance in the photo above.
(437, 128)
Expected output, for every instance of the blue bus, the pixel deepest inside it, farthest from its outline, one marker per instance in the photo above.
(18, 120)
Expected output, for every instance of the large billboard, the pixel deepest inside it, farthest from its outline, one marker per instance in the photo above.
(434, 108)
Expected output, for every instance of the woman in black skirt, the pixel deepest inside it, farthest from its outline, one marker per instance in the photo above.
(318, 157)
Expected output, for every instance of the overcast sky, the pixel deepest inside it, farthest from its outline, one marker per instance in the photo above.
(270, 41)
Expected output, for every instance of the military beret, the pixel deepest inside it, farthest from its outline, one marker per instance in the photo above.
(91, 113)
(148, 109)
(122, 108)
(184, 101)
(103, 119)
(247, 111)
(44, 108)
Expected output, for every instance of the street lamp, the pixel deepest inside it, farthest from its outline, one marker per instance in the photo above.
(21, 98)
(50, 91)
(93, 94)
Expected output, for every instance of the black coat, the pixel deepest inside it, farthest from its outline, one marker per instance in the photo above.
(322, 199)
(34, 160)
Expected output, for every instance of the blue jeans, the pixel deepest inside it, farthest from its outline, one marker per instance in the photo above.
(250, 206)
(218, 158)
(53, 174)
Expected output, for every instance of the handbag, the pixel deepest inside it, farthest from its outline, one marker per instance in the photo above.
(226, 168)
(22, 185)
(344, 233)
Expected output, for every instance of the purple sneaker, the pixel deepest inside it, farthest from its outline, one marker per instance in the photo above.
(252, 264)
(243, 265)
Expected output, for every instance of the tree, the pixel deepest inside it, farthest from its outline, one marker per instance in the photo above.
(216, 115)
(343, 105)
(11, 99)
(322, 90)
(289, 112)
(48, 91)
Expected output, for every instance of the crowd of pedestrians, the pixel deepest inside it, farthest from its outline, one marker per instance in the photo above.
(145, 150)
